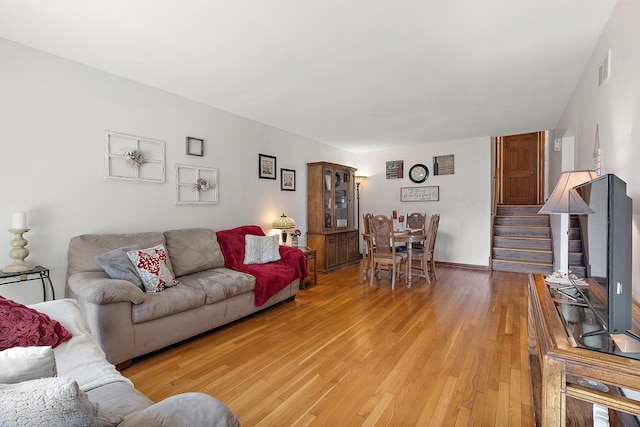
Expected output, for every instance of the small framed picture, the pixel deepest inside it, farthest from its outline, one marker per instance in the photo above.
(195, 146)
(266, 166)
(287, 180)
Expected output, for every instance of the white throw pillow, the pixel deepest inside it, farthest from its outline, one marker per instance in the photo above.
(52, 402)
(19, 364)
(261, 249)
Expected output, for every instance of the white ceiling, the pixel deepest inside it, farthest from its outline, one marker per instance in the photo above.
(358, 74)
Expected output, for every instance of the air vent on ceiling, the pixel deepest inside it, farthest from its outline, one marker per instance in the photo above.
(605, 69)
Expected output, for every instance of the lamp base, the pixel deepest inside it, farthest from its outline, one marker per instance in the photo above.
(284, 237)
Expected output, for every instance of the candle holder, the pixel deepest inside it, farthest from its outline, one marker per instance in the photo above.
(18, 252)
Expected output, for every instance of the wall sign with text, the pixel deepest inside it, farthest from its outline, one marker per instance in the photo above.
(420, 194)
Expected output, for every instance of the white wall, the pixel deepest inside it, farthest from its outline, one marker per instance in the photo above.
(53, 115)
(615, 108)
(464, 234)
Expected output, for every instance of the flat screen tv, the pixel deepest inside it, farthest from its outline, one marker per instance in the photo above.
(606, 247)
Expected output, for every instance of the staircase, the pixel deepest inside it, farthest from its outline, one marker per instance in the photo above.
(522, 240)
(576, 258)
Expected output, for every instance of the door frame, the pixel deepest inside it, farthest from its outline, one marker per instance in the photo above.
(540, 168)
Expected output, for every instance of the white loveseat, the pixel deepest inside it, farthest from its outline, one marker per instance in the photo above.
(81, 361)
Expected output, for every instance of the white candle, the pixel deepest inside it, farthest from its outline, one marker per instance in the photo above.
(19, 221)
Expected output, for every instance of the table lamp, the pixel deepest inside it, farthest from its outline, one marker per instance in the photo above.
(284, 223)
(558, 203)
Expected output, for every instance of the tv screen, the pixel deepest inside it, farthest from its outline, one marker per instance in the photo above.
(606, 248)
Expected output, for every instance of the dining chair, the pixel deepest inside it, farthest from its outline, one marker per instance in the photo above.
(417, 220)
(366, 238)
(425, 256)
(383, 249)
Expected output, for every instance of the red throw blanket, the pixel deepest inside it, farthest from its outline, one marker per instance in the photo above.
(271, 278)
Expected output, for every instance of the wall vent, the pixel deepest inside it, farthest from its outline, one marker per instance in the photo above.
(605, 69)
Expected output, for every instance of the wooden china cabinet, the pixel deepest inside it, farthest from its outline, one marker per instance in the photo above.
(330, 222)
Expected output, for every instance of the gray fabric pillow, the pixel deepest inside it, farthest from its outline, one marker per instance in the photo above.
(117, 265)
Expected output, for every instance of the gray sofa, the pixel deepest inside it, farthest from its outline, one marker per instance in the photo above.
(128, 322)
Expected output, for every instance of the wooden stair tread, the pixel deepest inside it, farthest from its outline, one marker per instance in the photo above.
(523, 237)
(545, 251)
(510, 261)
(521, 226)
(518, 216)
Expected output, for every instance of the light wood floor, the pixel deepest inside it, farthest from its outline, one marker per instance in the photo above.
(347, 354)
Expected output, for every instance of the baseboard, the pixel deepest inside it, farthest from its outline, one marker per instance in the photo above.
(467, 266)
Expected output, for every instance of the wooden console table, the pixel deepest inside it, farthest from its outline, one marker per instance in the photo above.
(560, 369)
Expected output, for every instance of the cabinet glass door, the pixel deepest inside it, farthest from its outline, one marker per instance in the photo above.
(328, 198)
(336, 199)
(341, 180)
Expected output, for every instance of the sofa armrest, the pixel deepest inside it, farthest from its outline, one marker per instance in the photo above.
(186, 409)
(95, 288)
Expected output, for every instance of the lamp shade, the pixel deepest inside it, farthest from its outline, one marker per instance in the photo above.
(558, 202)
(360, 179)
(283, 222)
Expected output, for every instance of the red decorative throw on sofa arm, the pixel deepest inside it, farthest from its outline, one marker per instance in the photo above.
(271, 278)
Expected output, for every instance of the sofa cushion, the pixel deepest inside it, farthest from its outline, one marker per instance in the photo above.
(192, 250)
(261, 249)
(23, 326)
(220, 283)
(83, 249)
(170, 301)
(152, 267)
(54, 401)
(19, 364)
(117, 265)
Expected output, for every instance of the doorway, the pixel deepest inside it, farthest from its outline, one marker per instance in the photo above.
(520, 169)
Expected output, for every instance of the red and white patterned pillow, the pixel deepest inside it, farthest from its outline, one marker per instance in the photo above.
(152, 266)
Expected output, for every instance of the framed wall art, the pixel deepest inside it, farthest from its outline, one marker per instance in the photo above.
(134, 158)
(195, 146)
(444, 165)
(266, 166)
(287, 180)
(420, 194)
(196, 185)
(395, 169)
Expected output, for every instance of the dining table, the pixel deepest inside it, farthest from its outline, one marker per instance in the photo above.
(409, 237)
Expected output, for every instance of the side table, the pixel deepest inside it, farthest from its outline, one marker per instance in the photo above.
(309, 255)
(37, 273)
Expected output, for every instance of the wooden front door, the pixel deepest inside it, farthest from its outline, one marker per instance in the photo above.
(521, 169)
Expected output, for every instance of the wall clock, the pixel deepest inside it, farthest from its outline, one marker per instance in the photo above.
(419, 173)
